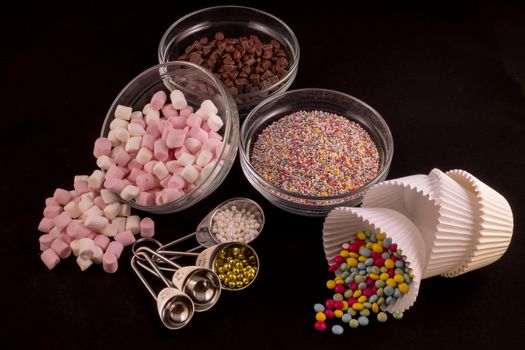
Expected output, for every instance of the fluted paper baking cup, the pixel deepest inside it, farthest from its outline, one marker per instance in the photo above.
(493, 229)
(394, 225)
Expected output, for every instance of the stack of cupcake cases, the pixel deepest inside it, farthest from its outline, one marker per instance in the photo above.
(446, 224)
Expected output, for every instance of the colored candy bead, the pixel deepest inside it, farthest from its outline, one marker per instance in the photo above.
(337, 330)
(320, 326)
(330, 284)
(319, 307)
(382, 317)
(354, 323)
(320, 316)
(363, 321)
(346, 318)
(338, 313)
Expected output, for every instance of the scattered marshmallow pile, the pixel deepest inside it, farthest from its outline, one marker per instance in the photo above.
(155, 160)
(234, 225)
(84, 220)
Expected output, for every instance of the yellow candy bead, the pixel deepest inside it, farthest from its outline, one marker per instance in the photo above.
(362, 299)
(362, 258)
(380, 243)
(358, 306)
(391, 282)
(378, 248)
(339, 282)
(345, 305)
(357, 293)
(403, 288)
(352, 262)
(380, 236)
(384, 276)
(320, 316)
(374, 276)
(353, 255)
(361, 236)
(330, 284)
(389, 264)
(411, 273)
(338, 313)
(369, 245)
(399, 278)
(375, 308)
(344, 253)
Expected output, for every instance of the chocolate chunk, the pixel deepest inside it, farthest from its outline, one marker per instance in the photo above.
(219, 36)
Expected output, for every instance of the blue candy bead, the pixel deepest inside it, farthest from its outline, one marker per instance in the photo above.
(385, 255)
(399, 263)
(388, 290)
(346, 318)
(387, 242)
(337, 329)
(365, 252)
(362, 285)
(373, 298)
(363, 320)
(369, 262)
(319, 307)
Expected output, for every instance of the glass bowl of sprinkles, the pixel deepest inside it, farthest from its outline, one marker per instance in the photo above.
(310, 150)
(255, 54)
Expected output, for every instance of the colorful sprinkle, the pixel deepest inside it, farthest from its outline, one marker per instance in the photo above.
(315, 153)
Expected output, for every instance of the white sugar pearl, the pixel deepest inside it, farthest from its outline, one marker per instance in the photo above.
(123, 112)
(215, 122)
(185, 159)
(133, 144)
(178, 100)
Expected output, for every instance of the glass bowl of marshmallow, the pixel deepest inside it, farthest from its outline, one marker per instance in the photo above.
(169, 139)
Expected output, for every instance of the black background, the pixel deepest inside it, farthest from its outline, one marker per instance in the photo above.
(448, 79)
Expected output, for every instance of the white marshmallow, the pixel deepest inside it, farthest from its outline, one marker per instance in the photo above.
(118, 123)
(86, 247)
(113, 137)
(215, 122)
(112, 210)
(87, 195)
(130, 192)
(97, 255)
(172, 165)
(147, 108)
(190, 174)
(119, 223)
(72, 209)
(125, 210)
(123, 112)
(133, 144)
(144, 155)
(160, 170)
(193, 145)
(208, 109)
(96, 179)
(136, 114)
(104, 162)
(185, 159)
(152, 117)
(135, 129)
(55, 232)
(109, 230)
(84, 264)
(177, 99)
(93, 211)
(80, 178)
(204, 158)
(108, 197)
(121, 134)
(95, 223)
(133, 224)
(85, 204)
(74, 246)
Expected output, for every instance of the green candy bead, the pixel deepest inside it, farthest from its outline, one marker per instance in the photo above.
(353, 323)
(343, 267)
(382, 316)
(380, 284)
(367, 305)
(376, 270)
(397, 315)
(380, 292)
(348, 293)
(365, 312)
(351, 311)
(338, 297)
(380, 301)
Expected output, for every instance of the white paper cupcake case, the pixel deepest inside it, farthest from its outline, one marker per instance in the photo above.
(493, 230)
(342, 224)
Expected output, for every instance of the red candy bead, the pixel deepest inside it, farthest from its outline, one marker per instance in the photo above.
(379, 262)
(376, 255)
(351, 301)
(329, 313)
(393, 247)
(368, 292)
(333, 267)
(370, 282)
(338, 305)
(320, 326)
(391, 273)
(329, 304)
(354, 286)
(339, 259)
(374, 289)
(354, 247)
(339, 289)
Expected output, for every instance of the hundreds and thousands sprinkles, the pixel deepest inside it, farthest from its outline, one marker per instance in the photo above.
(315, 153)
(372, 273)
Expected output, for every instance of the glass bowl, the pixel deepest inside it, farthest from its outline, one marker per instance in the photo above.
(313, 99)
(233, 21)
(198, 84)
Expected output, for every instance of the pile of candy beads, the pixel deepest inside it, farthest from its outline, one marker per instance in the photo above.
(371, 272)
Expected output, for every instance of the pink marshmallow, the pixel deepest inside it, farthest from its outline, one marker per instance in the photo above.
(171, 194)
(180, 151)
(99, 202)
(134, 164)
(115, 185)
(168, 111)
(77, 230)
(50, 258)
(115, 248)
(45, 225)
(164, 125)
(109, 262)
(45, 241)
(134, 174)
(102, 241)
(194, 120)
(164, 182)
(146, 182)
(61, 221)
(153, 130)
(148, 141)
(115, 172)
(199, 134)
(51, 201)
(139, 121)
(102, 147)
(62, 249)
(62, 196)
(160, 150)
(214, 136)
(81, 187)
(52, 211)
(210, 145)
(186, 111)
(178, 122)
(175, 138)
(158, 100)
(125, 238)
(122, 158)
(148, 167)
(147, 228)
(206, 128)
(145, 199)
(176, 181)
(92, 235)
